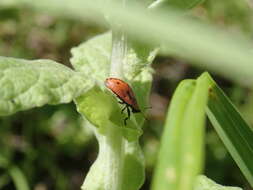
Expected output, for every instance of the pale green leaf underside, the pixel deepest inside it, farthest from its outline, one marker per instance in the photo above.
(27, 84)
(203, 183)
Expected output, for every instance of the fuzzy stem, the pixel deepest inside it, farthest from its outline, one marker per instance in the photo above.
(112, 146)
(118, 56)
(119, 49)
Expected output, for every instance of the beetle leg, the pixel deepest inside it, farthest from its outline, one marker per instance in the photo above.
(128, 112)
(128, 115)
(123, 109)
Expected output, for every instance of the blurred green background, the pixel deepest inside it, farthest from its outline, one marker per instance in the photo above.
(52, 146)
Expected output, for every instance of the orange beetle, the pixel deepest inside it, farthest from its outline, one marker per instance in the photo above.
(125, 93)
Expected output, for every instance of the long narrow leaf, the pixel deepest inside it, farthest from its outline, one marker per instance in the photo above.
(207, 46)
(167, 167)
(181, 153)
(235, 133)
(192, 145)
(19, 178)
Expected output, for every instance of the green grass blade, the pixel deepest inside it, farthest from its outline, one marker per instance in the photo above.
(167, 167)
(192, 145)
(19, 178)
(181, 153)
(235, 133)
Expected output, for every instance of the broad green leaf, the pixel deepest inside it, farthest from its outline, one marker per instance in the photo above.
(204, 183)
(102, 110)
(27, 84)
(235, 133)
(180, 156)
(93, 57)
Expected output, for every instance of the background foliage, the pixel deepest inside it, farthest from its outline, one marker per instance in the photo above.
(52, 147)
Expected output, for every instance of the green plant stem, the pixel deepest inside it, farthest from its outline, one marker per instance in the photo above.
(112, 146)
(119, 49)
(111, 151)
(107, 171)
